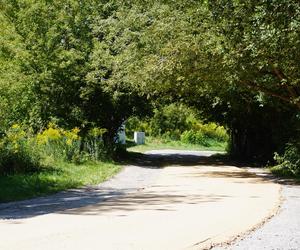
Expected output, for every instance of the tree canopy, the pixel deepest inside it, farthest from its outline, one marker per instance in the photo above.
(67, 64)
(96, 63)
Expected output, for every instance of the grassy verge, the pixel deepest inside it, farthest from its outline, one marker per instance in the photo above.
(154, 144)
(283, 172)
(63, 175)
(53, 179)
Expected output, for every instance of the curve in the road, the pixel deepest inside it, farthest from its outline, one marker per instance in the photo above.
(193, 203)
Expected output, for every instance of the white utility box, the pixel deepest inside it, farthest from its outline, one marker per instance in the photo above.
(139, 138)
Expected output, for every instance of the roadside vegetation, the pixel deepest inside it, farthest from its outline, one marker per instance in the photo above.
(157, 143)
(52, 160)
(288, 164)
(177, 126)
(48, 180)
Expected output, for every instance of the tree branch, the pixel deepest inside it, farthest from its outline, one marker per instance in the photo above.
(269, 92)
(292, 92)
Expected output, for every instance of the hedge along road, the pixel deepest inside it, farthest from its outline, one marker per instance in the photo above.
(193, 202)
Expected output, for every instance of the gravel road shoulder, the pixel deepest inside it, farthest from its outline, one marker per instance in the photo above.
(282, 232)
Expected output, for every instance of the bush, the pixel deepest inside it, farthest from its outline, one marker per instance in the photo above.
(171, 135)
(171, 121)
(290, 160)
(17, 153)
(136, 124)
(205, 134)
(168, 122)
(214, 132)
(22, 151)
(55, 143)
(178, 122)
(194, 137)
(93, 146)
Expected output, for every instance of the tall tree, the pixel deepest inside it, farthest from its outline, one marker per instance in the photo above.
(70, 63)
(262, 47)
(203, 55)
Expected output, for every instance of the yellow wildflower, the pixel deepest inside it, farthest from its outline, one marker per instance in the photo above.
(69, 142)
(15, 126)
(41, 139)
(75, 130)
(52, 133)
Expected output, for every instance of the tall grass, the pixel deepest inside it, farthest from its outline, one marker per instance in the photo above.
(22, 151)
(53, 160)
(17, 152)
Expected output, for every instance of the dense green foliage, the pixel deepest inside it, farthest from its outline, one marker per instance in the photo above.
(289, 162)
(205, 135)
(177, 122)
(17, 152)
(66, 61)
(262, 46)
(238, 70)
(22, 151)
(50, 161)
(171, 121)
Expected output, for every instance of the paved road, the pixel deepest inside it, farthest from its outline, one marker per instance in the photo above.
(170, 200)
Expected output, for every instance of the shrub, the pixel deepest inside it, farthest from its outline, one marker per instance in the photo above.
(290, 160)
(194, 137)
(213, 131)
(57, 143)
(17, 153)
(21, 151)
(204, 134)
(171, 135)
(136, 124)
(172, 120)
(93, 145)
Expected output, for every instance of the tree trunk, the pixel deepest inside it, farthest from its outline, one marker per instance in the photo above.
(250, 144)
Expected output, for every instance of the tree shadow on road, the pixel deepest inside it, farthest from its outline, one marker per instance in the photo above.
(90, 200)
(157, 160)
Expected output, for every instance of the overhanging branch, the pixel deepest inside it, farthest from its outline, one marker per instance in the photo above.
(269, 92)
